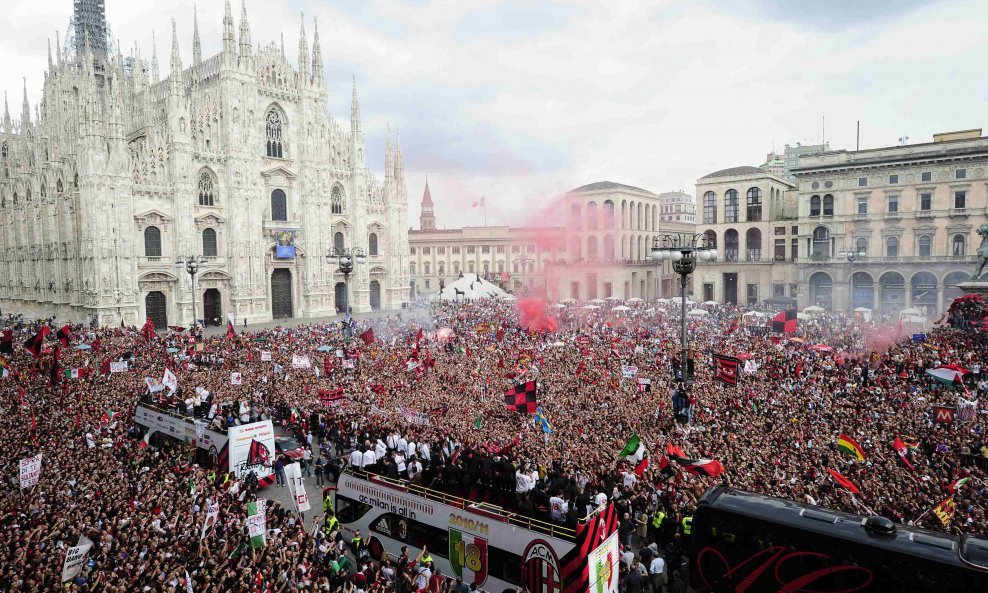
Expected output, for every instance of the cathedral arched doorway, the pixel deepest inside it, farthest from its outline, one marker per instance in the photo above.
(340, 292)
(281, 293)
(375, 295)
(212, 307)
(155, 309)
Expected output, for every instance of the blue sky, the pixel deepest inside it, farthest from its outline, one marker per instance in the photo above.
(519, 101)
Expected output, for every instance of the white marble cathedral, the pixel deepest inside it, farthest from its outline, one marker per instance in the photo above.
(233, 158)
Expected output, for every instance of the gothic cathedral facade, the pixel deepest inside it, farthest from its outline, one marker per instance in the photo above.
(233, 160)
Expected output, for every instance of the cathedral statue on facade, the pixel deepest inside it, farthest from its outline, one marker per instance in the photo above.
(232, 159)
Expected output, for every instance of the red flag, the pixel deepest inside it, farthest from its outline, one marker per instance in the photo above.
(735, 324)
(844, 481)
(368, 336)
(674, 451)
(641, 467)
(901, 449)
(34, 422)
(95, 345)
(230, 331)
(148, 330)
(64, 335)
(418, 337)
(35, 343)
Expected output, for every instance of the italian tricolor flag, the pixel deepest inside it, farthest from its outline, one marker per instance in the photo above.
(73, 373)
(256, 525)
(634, 450)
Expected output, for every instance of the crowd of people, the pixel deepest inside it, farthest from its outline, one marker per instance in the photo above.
(423, 400)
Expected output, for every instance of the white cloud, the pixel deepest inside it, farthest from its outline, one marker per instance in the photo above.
(521, 100)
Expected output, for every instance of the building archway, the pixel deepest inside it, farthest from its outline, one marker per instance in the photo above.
(156, 309)
(212, 307)
(862, 290)
(822, 290)
(893, 291)
(950, 288)
(281, 293)
(375, 295)
(924, 290)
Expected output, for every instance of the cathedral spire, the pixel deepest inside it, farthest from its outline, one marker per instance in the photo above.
(229, 41)
(427, 220)
(6, 113)
(176, 74)
(389, 161)
(244, 32)
(196, 44)
(303, 50)
(58, 47)
(50, 63)
(354, 109)
(316, 56)
(154, 58)
(25, 109)
(399, 159)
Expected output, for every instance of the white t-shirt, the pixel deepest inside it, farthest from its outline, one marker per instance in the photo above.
(357, 458)
(422, 578)
(558, 507)
(400, 462)
(370, 458)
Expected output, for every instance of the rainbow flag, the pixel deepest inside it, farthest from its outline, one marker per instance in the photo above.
(847, 445)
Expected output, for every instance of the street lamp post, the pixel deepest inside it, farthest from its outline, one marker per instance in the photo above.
(684, 250)
(346, 259)
(191, 263)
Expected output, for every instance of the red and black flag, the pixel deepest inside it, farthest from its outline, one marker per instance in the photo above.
(64, 335)
(439, 412)
(230, 331)
(702, 467)
(368, 336)
(726, 369)
(665, 468)
(521, 398)
(331, 397)
(258, 454)
(785, 322)
(7, 342)
(35, 343)
(56, 366)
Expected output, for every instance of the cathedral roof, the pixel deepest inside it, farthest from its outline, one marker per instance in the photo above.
(601, 185)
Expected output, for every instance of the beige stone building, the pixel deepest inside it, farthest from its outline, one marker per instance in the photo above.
(750, 214)
(908, 214)
(599, 248)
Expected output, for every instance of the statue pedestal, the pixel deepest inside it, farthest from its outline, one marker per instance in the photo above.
(974, 287)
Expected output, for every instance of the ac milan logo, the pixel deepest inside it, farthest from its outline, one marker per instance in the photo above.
(258, 454)
(540, 569)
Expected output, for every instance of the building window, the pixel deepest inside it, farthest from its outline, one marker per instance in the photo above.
(514, 267)
(893, 179)
(828, 205)
(779, 290)
(780, 230)
(752, 294)
(925, 201)
(780, 250)
(456, 250)
(753, 245)
(592, 216)
(336, 200)
(731, 241)
(441, 266)
(427, 287)
(372, 244)
(893, 205)
(731, 206)
(411, 268)
(795, 230)
(499, 249)
(487, 267)
(815, 206)
(530, 248)
(485, 249)
(209, 243)
(927, 176)
(794, 249)
(959, 245)
(516, 249)
(828, 184)
(861, 246)
(710, 208)
(426, 268)
(441, 250)
(339, 243)
(960, 199)
(862, 204)
(152, 242)
(821, 242)
(892, 247)
(279, 205)
(272, 130)
(427, 251)
(960, 174)
(206, 188)
(754, 205)
(925, 246)
(412, 251)
(471, 249)
(862, 182)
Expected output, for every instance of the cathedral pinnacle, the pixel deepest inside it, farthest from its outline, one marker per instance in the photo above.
(229, 42)
(244, 32)
(25, 108)
(154, 58)
(303, 49)
(50, 64)
(196, 44)
(316, 56)
(354, 109)
(58, 47)
(176, 62)
(6, 113)
(389, 160)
